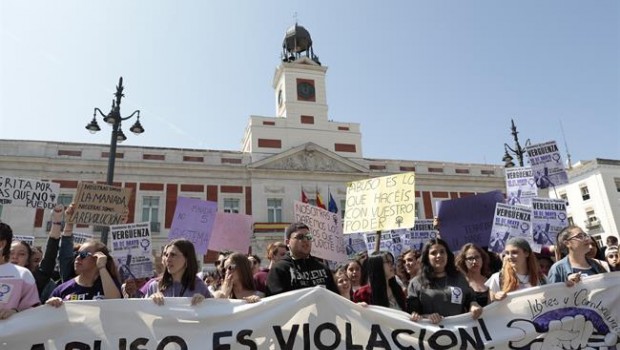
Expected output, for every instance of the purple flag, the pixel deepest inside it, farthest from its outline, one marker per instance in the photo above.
(468, 219)
(193, 220)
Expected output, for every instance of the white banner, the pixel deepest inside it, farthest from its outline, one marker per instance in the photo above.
(28, 193)
(131, 249)
(585, 316)
(326, 230)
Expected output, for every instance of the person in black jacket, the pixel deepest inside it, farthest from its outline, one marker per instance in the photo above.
(298, 269)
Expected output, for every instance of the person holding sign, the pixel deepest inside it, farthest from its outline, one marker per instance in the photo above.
(180, 275)
(382, 288)
(97, 276)
(18, 289)
(238, 281)
(298, 269)
(520, 270)
(440, 290)
(574, 245)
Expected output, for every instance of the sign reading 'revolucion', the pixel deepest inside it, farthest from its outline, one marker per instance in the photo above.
(103, 205)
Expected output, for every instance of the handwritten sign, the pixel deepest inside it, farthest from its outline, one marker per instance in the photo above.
(231, 232)
(546, 163)
(103, 205)
(520, 186)
(28, 193)
(193, 220)
(416, 237)
(511, 221)
(326, 230)
(548, 219)
(23, 238)
(468, 219)
(380, 204)
(131, 249)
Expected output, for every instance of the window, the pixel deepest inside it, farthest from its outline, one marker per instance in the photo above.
(1, 212)
(64, 199)
(564, 196)
(571, 221)
(417, 210)
(343, 207)
(592, 221)
(231, 205)
(312, 201)
(274, 210)
(617, 184)
(585, 193)
(150, 212)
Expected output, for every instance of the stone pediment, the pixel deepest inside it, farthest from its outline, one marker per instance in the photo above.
(309, 157)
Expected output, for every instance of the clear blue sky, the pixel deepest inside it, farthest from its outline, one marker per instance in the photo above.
(427, 80)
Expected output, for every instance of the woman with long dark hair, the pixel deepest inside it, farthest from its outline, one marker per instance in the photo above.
(473, 262)
(238, 281)
(440, 290)
(382, 288)
(179, 278)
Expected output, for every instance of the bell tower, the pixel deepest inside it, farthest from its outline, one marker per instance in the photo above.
(299, 81)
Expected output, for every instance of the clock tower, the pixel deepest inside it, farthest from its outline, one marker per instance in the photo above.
(299, 81)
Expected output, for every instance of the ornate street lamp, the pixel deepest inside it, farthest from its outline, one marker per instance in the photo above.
(517, 151)
(114, 118)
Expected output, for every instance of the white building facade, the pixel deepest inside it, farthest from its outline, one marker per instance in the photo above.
(593, 196)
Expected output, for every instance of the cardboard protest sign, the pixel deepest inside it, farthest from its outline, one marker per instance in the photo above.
(81, 237)
(548, 219)
(28, 193)
(391, 241)
(520, 186)
(416, 237)
(380, 204)
(24, 238)
(231, 232)
(546, 163)
(468, 219)
(102, 205)
(131, 250)
(326, 230)
(354, 243)
(511, 221)
(193, 220)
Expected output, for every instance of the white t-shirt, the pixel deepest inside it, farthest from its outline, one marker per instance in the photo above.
(494, 287)
(18, 289)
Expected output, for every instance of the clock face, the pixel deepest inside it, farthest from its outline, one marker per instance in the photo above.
(305, 90)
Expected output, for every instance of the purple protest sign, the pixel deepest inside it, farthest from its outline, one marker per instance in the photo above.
(468, 219)
(193, 220)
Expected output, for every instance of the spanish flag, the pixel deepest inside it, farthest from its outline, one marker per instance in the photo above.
(319, 201)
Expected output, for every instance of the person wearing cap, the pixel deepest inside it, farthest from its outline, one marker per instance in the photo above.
(611, 255)
(298, 269)
(520, 270)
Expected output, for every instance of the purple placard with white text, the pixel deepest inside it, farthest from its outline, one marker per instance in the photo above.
(193, 220)
(468, 219)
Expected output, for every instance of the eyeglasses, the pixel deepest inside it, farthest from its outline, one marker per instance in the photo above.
(306, 237)
(473, 258)
(82, 255)
(580, 236)
(231, 267)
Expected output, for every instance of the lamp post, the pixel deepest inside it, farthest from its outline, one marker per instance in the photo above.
(517, 151)
(114, 118)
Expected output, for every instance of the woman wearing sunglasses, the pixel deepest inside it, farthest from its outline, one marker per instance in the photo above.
(574, 245)
(96, 276)
(238, 280)
(180, 275)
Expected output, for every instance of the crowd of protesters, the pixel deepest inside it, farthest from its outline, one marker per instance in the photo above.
(430, 284)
